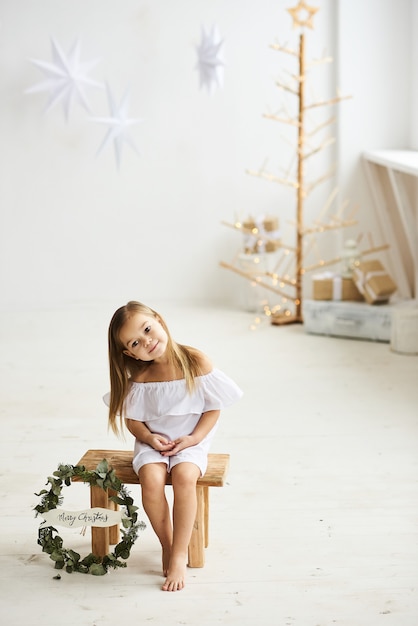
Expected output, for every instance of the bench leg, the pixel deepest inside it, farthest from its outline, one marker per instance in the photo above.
(99, 536)
(114, 531)
(197, 540)
(206, 504)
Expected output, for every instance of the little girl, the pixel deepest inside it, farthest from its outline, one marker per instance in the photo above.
(169, 397)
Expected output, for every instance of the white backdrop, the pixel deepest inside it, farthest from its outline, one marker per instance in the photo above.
(75, 229)
(382, 77)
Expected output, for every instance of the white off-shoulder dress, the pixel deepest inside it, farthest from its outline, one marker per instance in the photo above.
(169, 409)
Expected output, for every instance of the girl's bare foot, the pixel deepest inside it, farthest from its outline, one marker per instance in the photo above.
(176, 575)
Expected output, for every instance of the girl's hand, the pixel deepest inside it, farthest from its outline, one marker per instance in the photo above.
(179, 444)
(158, 442)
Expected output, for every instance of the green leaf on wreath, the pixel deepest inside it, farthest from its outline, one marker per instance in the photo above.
(89, 560)
(122, 551)
(112, 476)
(102, 467)
(74, 556)
(97, 569)
(117, 500)
(56, 555)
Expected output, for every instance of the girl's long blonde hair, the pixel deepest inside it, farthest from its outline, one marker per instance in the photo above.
(123, 367)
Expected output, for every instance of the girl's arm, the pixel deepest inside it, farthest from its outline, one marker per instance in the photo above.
(205, 424)
(141, 432)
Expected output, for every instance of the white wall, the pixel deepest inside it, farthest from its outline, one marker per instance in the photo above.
(74, 229)
(374, 65)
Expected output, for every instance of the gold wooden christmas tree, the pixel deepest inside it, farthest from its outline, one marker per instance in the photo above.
(289, 284)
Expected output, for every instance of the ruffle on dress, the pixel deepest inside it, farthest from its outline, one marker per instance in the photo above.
(149, 401)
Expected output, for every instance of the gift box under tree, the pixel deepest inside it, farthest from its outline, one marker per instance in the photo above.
(261, 235)
(373, 281)
(330, 286)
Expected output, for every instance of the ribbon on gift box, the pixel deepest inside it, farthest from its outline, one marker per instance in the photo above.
(361, 280)
(337, 283)
(257, 241)
(375, 297)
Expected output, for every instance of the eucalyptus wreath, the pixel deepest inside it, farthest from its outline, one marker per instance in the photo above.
(50, 541)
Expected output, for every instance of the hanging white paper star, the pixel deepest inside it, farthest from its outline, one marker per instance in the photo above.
(67, 78)
(210, 64)
(119, 124)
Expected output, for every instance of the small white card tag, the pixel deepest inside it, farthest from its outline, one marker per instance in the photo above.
(87, 517)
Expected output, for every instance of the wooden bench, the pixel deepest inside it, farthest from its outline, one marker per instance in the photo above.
(121, 462)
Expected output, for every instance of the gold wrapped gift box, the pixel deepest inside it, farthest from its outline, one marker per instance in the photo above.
(261, 236)
(330, 286)
(373, 281)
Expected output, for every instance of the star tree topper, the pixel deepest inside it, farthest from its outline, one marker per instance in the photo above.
(119, 124)
(302, 14)
(66, 78)
(209, 63)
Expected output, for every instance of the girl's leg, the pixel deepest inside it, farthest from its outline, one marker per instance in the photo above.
(184, 478)
(152, 478)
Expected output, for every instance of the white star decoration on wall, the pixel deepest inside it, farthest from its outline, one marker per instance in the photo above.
(67, 78)
(119, 124)
(210, 64)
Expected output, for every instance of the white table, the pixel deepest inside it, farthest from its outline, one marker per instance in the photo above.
(393, 179)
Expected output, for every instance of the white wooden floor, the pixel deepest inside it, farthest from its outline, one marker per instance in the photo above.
(318, 525)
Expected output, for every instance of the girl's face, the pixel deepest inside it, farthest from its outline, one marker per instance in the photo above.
(143, 337)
